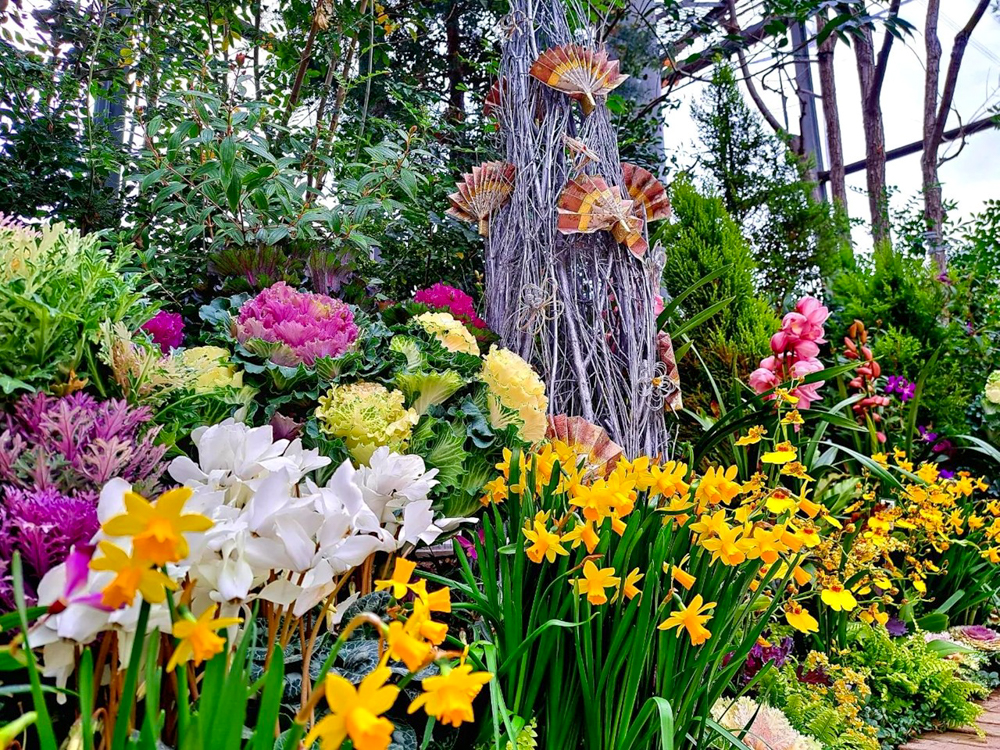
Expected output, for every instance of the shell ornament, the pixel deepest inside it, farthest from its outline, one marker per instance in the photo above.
(580, 72)
(647, 191)
(587, 440)
(481, 193)
(588, 205)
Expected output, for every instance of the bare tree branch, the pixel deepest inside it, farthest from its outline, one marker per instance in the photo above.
(883, 54)
(954, 65)
(747, 78)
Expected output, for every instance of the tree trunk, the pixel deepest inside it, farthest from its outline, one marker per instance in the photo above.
(634, 42)
(831, 115)
(456, 69)
(933, 203)
(936, 113)
(871, 112)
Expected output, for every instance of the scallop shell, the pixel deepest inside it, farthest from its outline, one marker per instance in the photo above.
(646, 191)
(582, 73)
(481, 193)
(588, 205)
(494, 97)
(665, 347)
(585, 439)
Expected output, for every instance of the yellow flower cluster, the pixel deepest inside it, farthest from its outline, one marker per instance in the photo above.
(450, 333)
(157, 532)
(357, 713)
(733, 522)
(887, 548)
(515, 387)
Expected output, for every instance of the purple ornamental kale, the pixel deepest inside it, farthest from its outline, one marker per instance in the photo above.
(75, 444)
(764, 651)
(43, 525)
(896, 627)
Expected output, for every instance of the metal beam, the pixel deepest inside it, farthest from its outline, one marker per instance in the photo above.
(977, 126)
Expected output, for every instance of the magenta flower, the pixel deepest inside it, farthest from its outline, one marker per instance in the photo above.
(301, 327)
(74, 588)
(166, 329)
(458, 303)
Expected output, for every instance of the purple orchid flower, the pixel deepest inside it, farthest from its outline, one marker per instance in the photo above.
(74, 590)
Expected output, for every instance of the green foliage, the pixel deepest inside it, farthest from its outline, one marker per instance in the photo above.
(765, 188)
(56, 291)
(913, 688)
(910, 314)
(815, 709)
(702, 240)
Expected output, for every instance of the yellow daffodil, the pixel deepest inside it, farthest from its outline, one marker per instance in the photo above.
(545, 544)
(595, 501)
(448, 696)
(356, 713)
(157, 529)
(629, 587)
(420, 622)
(133, 575)
(800, 619)
(838, 598)
(782, 454)
(495, 491)
(801, 575)
(583, 533)
(710, 525)
(764, 544)
(399, 582)
(668, 479)
(881, 459)
(717, 487)
(198, 639)
(729, 546)
(692, 619)
(753, 436)
(595, 580)
(680, 575)
(406, 646)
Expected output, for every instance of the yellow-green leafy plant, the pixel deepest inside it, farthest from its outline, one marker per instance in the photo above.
(366, 416)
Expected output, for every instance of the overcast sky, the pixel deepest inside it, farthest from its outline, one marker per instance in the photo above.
(972, 178)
